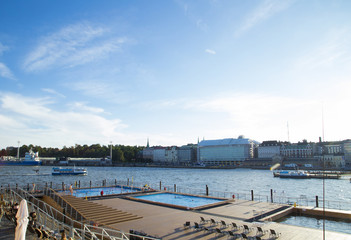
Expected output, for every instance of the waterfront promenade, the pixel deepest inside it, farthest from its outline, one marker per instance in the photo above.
(167, 223)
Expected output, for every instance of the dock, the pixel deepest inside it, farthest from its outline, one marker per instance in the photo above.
(167, 223)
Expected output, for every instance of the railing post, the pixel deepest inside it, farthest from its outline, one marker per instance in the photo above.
(316, 201)
(271, 195)
(160, 185)
(175, 188)
(252, 195)
(206, 190)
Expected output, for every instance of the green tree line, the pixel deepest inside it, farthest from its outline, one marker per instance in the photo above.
(120, 153)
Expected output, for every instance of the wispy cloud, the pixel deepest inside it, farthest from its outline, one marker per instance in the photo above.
(210, 51)
(80, 106)
(52, 91)
(71, 46)
(36, 120)
(3, 48)
(265, 10)
(5, 72)
(334, 48)
(100, 89)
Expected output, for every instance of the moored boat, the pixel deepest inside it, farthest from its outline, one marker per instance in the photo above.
(291, 174)
(69, 171)
(31, 159)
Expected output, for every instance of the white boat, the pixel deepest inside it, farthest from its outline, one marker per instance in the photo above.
(69, 171)
(292, 174)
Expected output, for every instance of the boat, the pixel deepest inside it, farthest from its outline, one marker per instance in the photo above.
(291, 174)
(31, 158)
(68, 171)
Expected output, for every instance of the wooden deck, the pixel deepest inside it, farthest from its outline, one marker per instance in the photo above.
(98, 213)
(167, 223)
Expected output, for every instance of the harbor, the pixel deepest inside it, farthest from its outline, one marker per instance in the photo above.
(256, 203)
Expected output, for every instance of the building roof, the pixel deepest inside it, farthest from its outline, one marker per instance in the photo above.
(226, 141)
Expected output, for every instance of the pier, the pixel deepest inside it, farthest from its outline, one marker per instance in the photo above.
(167, 223)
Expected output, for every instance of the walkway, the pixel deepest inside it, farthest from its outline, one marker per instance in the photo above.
(167, 223)
(98, 213)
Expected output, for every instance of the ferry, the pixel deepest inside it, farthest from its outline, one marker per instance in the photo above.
(291, 174)
(69, 171)
(31, 159)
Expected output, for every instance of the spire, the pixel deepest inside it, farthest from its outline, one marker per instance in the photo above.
(147, 144)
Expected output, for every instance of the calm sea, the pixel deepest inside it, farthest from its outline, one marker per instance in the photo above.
(230, 181)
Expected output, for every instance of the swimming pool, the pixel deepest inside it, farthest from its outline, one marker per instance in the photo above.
(96, 191)
(182, 201)
(317, 222)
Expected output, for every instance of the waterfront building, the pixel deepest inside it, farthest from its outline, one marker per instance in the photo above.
(171, 155)
(332, 161)
(228, 152)
(347, 153)
(159, 154)
(269, 149)
(187, 154)
(297, 150)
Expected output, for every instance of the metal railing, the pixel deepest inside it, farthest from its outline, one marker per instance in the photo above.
(56, 221)
(274, 198)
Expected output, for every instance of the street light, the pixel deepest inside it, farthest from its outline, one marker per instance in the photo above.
(111, 150)
(18, 150)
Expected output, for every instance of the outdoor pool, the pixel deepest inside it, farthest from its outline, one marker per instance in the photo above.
(92, 192)
(315, 222)
(180, 200)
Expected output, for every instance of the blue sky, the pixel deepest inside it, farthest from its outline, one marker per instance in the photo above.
(85, 72)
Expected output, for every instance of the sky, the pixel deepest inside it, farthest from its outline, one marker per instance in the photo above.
(174, 71)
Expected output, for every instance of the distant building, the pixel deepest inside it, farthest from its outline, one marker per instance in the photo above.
(171, 155)
(159, 154)
(347, 153)
(297, 150)
(187, 154)
(227, 151)
(269, 149)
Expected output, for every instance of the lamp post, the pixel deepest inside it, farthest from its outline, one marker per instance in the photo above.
(18, 151)
(111, 150)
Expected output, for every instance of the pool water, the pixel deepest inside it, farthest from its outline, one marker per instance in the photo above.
(179, 199)
(314, 222)
(90, 192)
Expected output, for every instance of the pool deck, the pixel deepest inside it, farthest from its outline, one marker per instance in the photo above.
(167, 223)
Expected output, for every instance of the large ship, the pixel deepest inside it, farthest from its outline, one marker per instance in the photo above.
(31, 158)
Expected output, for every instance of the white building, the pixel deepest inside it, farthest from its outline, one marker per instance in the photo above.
(159, 154)
(227, 151)
(171, 155)
(268, 149)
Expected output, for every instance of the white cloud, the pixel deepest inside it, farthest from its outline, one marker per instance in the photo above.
(5, 72)
(210, 51)
(31, 120)
(52, 91)
(265, 10)
(71, 46)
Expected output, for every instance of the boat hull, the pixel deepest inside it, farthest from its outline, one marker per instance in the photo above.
(68, 171)
(58, 174)
(20, 163)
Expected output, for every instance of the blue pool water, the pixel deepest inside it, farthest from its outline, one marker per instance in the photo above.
(179, 200)
(314, 222)
(90, 192)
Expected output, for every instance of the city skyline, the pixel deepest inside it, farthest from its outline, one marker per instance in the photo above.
(173, 71)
